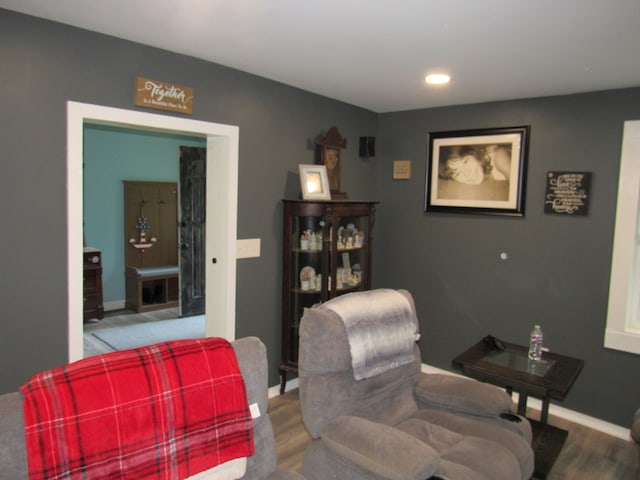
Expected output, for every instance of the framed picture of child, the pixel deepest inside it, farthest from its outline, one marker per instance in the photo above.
(477, 171)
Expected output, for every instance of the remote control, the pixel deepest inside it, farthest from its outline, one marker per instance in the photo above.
(494, 343)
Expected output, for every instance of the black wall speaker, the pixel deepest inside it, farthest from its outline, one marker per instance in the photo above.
(367, 146)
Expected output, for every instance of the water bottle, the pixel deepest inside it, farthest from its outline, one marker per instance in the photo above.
(535, 343)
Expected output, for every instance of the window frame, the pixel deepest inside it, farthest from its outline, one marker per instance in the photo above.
(620, 334)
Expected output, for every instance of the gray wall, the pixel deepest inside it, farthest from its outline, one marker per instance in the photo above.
(46, 64)
(558, 269)
(557, 274)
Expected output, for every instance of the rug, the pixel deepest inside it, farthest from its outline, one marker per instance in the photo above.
(140, 334)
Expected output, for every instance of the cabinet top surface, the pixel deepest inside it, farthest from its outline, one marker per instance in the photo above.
(342, 201)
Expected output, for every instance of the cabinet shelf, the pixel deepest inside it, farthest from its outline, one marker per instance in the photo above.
(347, 288)
(337, 224)
(319, 252)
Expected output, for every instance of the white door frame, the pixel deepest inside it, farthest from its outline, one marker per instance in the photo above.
(222, 211)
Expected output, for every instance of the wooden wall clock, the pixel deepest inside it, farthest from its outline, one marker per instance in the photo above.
(329, 153)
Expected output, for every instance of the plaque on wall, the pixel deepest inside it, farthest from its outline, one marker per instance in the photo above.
(163, 95)
(567, 193)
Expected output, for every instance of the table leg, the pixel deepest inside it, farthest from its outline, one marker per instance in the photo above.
(544, 413)
(283, 380)
(522, 404)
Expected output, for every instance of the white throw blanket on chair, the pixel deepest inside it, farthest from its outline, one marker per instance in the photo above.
(381, 329)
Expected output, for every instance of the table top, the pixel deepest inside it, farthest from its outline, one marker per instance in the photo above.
(551, 376)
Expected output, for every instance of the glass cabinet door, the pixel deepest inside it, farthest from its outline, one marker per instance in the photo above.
(350, 252)
(326, 253)
(304, 282)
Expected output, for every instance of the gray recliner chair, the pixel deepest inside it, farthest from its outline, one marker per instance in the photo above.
(252, 360)
(375, 415)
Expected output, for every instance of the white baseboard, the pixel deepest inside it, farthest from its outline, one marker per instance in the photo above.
(275, 390)
(570, 415)
(114, 305)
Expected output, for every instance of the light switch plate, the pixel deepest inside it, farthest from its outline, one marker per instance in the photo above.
(248, 248)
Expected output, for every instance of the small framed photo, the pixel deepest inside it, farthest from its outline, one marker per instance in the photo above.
(314, 182)
(477, 171)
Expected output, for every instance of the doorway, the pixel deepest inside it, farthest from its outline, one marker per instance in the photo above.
(221, 207)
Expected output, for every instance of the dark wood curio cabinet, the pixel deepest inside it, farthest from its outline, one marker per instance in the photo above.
(92, 284)
(327, 252)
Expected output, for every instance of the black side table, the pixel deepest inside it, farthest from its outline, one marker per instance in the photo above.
(549, 378)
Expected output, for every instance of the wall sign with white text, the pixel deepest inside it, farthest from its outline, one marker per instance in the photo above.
(567, 193)
(162, 95)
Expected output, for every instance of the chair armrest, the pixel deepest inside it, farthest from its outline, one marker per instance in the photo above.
(458, 394)
(380, 448)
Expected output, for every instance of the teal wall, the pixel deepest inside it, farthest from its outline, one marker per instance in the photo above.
(112, 155)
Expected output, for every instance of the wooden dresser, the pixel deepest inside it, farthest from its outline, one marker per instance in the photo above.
(92, 265)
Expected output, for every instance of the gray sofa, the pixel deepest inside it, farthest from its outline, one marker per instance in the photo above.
(396, 422)
(252, 359)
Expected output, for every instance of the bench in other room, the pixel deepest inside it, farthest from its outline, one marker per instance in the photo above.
(152, 288)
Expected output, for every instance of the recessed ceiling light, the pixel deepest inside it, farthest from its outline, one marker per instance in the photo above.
(437, 79)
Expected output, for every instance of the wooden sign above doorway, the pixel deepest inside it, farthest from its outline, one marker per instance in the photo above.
(162, 95)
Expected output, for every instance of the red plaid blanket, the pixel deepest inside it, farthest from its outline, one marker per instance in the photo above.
(164, 411)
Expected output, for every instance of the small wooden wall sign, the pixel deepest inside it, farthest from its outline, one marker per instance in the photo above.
(162, 95)
(567, 193)
(402, 169)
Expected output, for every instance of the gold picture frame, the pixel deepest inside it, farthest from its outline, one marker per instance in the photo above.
(314, 182)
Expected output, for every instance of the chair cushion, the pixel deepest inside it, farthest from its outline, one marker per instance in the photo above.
(481, 455)
(381, 449)
(483, 428)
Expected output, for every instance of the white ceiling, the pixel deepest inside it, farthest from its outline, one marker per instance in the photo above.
(375, 53)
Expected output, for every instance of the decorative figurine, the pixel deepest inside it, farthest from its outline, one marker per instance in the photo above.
(358, 241)
(307, 278)
(304, 240)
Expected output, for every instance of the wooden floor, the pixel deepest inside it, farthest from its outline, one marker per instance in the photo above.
(586, 455)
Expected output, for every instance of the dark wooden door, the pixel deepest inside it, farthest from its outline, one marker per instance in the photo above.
(193, 188)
